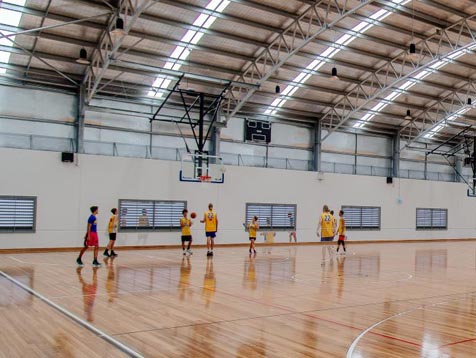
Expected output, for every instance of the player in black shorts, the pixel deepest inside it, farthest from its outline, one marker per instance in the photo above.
(185, 224)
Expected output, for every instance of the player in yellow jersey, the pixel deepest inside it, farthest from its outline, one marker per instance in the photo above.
(326, 228)
(341, 231)
(334, 224)
(210, 219)
(253, 227)
(185, 224)
(112, 231)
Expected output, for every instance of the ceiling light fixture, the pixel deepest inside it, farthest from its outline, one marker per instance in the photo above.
(119, 29)
(412, 52)
(408, 116)
(334, 74)
(83, 57)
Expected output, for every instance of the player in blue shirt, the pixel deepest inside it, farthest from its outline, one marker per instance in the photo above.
(91, 238)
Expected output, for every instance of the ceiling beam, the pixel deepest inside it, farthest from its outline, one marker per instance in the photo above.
(108, 46)
(289, 42)
(377, 83)
(439, 113)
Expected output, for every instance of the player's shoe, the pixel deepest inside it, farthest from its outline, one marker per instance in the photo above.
(79, 262)
(96, 263)
(106, 254)
(184, 253)
(113, 254)
(189, 252)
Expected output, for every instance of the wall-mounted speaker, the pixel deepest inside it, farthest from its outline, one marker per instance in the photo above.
(67, 157)
(389, 180)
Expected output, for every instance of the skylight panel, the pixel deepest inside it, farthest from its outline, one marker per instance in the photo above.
(11, 18)
(191, 37)
(345, 39)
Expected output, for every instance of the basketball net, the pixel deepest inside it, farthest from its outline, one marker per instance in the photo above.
(205, 180)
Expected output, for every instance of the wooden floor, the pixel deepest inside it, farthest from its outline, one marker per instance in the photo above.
(381, 300)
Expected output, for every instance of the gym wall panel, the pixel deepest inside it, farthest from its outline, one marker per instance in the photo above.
(65, 191)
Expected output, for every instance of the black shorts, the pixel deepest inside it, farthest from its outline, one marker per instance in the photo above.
(112, 236)
(211, 234)
(331, 238)
(252, 238)
(186, 238)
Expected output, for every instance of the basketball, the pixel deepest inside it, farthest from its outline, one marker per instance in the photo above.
(193, 215)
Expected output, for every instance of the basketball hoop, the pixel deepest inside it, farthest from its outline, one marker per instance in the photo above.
(205, 179)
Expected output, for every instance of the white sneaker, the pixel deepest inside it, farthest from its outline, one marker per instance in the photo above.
(189, 252)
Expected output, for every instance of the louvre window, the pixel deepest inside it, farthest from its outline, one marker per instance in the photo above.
(362, 217)
(17, 214)
(273, 216)
(431, 219)
(150, 215)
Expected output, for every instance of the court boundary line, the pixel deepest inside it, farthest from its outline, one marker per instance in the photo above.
(244, 244)
(114, 342)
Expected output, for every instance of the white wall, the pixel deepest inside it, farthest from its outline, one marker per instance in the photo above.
(66, 191)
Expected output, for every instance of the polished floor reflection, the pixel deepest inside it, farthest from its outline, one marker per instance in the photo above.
(380, 300)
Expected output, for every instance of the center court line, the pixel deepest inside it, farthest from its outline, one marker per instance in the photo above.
(75, 318)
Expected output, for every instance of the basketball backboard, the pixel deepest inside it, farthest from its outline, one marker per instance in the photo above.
(197, 166)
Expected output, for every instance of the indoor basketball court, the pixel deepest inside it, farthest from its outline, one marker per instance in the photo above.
(237, 178)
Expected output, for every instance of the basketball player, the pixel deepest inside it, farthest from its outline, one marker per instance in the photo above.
(269, 236)
(292, 225)
(326, 228)
(253, 227)
(91, 238)
(112, 230)
(334, 224)
(144, 219)
(342, 231)
(185, 224)
(210, 219)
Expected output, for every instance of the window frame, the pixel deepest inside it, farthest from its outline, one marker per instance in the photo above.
(14, 230)
(271, 227)
(151, 217)
(426, 228)
(361, 228)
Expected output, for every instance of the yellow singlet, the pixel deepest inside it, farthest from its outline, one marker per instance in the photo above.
(327, 225)
(252, 230)
(112, 226)
(185, 224)
(341, 226)
(210, 221)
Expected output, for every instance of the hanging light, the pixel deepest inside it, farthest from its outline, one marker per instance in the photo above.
(412, 52)
(119, 29)
(334, 74)
(470, 102)
(83, 57)
(277, 89)
(408, 117)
